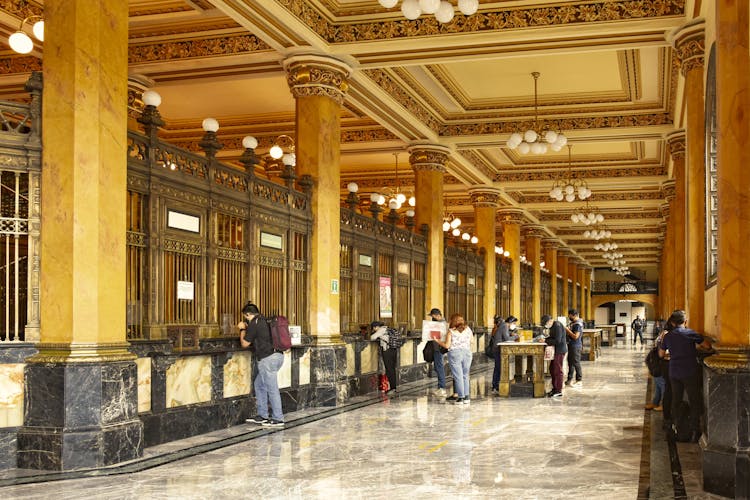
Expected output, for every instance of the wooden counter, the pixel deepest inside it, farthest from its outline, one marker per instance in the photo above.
(508, 353)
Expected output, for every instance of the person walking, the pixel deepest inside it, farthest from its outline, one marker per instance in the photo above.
(390, 353)
(256, 334)
(504, 331)
(681, 343)
(438, 361)
(574, 335)
(637, 327)
(556, 338)
(458, 343)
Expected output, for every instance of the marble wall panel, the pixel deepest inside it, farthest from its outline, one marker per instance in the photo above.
(144, 384)
(350, 360)
(189, 381)
(420, 348)
(407, 354)
(369, 357)
(304, 368)
(237, 375)
(11, 394)
(285, 372)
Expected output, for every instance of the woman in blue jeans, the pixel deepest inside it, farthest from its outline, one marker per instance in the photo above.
(458, 343)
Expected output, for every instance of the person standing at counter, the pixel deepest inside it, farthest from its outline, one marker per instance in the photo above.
(556, 338)
(575, 344)
(390, 353)
(437, 360)
(458, 343)
(504, 332)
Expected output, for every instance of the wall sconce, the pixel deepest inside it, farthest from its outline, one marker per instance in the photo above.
(249, 158)
(21, 42)
(277, 150)
(150, 117)
(352, 199)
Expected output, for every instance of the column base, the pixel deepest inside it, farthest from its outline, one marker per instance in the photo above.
(79, 415)
(726, 443)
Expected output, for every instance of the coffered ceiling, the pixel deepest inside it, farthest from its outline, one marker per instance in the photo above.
(609, 80)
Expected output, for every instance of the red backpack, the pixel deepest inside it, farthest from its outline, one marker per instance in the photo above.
(279, 326)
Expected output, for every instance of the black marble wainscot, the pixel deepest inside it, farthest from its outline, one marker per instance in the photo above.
(79, 415)
(12, 353)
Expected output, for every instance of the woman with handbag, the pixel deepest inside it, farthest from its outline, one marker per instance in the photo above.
(458, 342)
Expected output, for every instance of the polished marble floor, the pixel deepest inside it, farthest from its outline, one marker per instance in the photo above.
(596, 442)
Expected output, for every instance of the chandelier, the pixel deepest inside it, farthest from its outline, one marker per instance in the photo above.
(588, 216)
(451, 223)
(597, 233)
(21, 42)
(606, 246)
(621, 270)
(277, 151)
(442, 10)
(568, 189)
(537, 139)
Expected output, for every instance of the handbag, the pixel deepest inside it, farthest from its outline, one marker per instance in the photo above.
(428, 353)
(549, 353)
(383, 384)
(489, 351)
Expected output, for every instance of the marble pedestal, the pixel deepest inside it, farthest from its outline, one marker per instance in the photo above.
(79, 415)
(330, 386)
(726, 442)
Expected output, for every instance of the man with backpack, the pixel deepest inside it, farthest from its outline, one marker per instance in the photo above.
(255, 333)
(637, 327)
(575, 345)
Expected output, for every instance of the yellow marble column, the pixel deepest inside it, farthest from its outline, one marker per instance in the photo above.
(512, 218)
(573, 275)
(733, 103)
(562, 266)
(319, 85)
(533, 255)
(668, 188)
(689, 44)
(428, 163)
(587, 279)
(582, 295)
(84, 178)
(662, 271)
(678, 215)
(550, 260)
(485, 201)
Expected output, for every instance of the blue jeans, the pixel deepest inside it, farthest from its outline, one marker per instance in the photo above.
(496, 371)
(460, 360)
(659, 386)
(267, 386)
(439, 368)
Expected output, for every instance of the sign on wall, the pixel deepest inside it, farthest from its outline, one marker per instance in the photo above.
(185, 222)
(386, 303)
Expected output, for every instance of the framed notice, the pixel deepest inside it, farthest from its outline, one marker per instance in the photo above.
(185, 290)
(434, 330)
(365, 260)
(184, 222)
(295, 332)
(386, 303)
(270, 240)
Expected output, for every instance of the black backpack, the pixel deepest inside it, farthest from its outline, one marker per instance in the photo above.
(653, 362)
(395, 339)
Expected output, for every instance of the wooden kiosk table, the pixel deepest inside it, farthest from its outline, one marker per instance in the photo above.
(508, 353)
(592, 338)
(608, 334)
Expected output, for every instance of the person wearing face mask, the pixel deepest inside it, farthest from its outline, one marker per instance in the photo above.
(575, 344)
(556, 338)
(504, 332)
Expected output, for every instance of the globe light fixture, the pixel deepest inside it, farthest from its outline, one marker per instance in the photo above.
(537, 139)
(569, 188)
(442, 10)
(22, 43)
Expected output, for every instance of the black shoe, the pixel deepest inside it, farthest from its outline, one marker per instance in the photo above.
(451, 399)
(273, 423)
(257, 419)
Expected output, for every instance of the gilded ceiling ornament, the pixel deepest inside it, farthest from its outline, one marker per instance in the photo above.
(587, 243)
(534, 231)
(428, 158)
(624, 230)
(20, 8)
(598, 173)
(206, 47)
(614, 216)
(404, 98)
(485, 197)
(550, 243)
(676, 143)
(669, 189)
(317, 76)
(690, 46)
(20, 64)
(478, 163)
(511, 216)
(664, 209)
(622, 196)
(367, 135)
(499, 19)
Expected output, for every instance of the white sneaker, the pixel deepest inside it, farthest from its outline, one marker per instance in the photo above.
(440, 393)
(577, 385)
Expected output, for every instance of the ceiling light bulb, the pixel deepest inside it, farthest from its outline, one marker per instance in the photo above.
(211, 125)
(537, 148)
(381, 199)
(352, 187)
(151, 98)
(276, 152)
(524, 148)
(587, 234)
(530, 136)
(569, 189)
(570, 197)
(561, 140)
(249, 142)
(289, 159)
(506, 253)
(574, 219)
(401, 198)
(38, 30)
(455, 223)
(474, 240)
(410, 9)
(393, 204)
(410, 213)
(20, 42)
(446, 226)
(412, 201)
(468, 7)
(550, 136)
(514, 140)
(445, 12)
(429, 6)
(456, 231)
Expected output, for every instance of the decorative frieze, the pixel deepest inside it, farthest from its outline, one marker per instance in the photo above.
(669, 190)
(676, 144)
(620, 196)
(610, 216)
(511, 216)
(310, 75)
(428, 157)
(485, 197)
(397, 92)
(654, 171)
(233, 44)
(690, 46)
(19, 64)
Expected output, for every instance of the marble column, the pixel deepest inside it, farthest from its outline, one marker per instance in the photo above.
(678, 215)
(689, 45)
(573, 275)
(562, 266)
(428, 163)
(485, 201)
(512, 218)
(582, 295)
(587, 279)
(319, 85)
(726, 442)
(550, 259)
(533, 255)
(668, 189)
(81, 399)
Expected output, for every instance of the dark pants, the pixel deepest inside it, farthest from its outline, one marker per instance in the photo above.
(574, 362)
(689, 385)
(496, 371)
(666, 403)
(555, 369)
(389, 360)
(640, 334)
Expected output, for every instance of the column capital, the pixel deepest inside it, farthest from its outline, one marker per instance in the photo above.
(676, 143)
(534, 231)
(564, 252)
(511, 216)
(485, 196)
(665, 211)
(426, 157)
(315, 75)
(550, 243)
(690, 46)
(668, 188)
